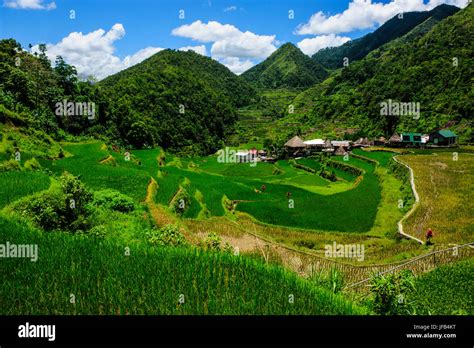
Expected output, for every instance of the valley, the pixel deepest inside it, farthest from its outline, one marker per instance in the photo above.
(285, 190)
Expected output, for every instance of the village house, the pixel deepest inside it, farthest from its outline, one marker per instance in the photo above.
(346, 144)
(295, 147)
(443, 137)
(314, 145)
(362, 142)
(341, 151)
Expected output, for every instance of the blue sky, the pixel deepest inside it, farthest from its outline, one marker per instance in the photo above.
(109, 35)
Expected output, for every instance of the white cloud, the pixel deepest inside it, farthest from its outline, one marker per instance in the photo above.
(230, 8)
(313, 45)
(29, 4)
(198, 49)
(365, 14)
(93, 53)
(140, 56)
(229, 42)
(237, 65)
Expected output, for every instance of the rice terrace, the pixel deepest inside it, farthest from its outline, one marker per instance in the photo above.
(189, 186)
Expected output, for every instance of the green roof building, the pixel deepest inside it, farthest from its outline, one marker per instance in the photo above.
(412, 138)
(443, 137)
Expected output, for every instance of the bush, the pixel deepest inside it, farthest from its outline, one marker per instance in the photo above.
(114, 200)
(99, 231)
(61, 208)
(180, 201)
(167, 236)
(214, 243)
(32, 164)
(392, 292)
(9, 165)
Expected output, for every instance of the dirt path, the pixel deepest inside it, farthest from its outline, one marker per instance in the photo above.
(159, 215)
(415, 205)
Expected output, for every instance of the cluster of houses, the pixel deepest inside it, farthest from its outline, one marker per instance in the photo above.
(296, 147)
(442, 138)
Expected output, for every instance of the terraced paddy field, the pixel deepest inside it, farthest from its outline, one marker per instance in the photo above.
(248, 206)
(292, 197)
(444, 182)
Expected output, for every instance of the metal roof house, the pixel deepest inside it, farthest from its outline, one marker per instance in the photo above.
(412, 138)
(443, 137)
(315, 142)
(343, 143)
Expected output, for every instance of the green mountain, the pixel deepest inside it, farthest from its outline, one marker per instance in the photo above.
(333, 57)
(218, 76)
(181, 101)
(287, 67)
(434, 70)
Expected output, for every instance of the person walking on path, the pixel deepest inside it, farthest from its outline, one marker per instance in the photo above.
(429, 235)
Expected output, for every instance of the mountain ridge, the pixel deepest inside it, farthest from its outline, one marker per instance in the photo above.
(287, 67)
(333, 57)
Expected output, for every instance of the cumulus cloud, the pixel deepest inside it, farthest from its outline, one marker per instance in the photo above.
(365, 14)
(93, 53)
(313, 45)
(198, 49)
(140, 56)
(29, 4)
(231, 46)
(237, 65)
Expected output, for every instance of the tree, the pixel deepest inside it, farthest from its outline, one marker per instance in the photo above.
(140, 135)
(67, 76)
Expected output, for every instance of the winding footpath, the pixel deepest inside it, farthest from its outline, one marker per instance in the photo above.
(415, 205)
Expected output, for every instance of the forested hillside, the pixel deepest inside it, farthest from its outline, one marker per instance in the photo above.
(333, 57)
(181, 101)
(434, 70)
(30, 89)
(287, 67)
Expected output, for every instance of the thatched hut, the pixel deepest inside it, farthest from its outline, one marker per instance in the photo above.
(340, 151)
(295, 146)
(295, 143)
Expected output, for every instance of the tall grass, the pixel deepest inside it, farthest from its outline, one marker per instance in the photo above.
(151, 280)
(447, 290)
(16, 184)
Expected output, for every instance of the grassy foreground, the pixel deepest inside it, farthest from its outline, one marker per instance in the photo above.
(449, 289)
(150, 280)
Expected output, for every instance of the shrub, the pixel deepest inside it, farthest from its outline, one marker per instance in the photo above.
(61, 208)
(9, 165)
(99, 231)
(114, 200)
(180, 202)
(391, 293)
(169, 235)
(213, 242)
(32, 164)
